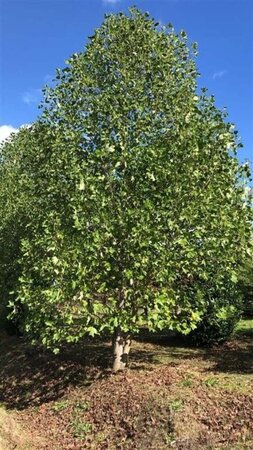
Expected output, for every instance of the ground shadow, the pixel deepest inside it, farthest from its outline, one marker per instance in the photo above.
(31, 376)
(235, 356)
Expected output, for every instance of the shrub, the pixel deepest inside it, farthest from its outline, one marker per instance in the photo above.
(217, 326)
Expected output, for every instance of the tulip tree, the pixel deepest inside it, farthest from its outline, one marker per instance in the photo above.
(140, 214)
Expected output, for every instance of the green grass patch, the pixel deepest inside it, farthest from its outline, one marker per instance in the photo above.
(60, 406)
(176, 405)
(238, 383)
(211, 382)
(245, 327)
(80, 428)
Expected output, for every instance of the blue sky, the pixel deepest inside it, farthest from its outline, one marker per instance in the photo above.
(37, 36)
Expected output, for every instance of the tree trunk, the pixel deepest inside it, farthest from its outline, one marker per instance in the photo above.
(121, 349)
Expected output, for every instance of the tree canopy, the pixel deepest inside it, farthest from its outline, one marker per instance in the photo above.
(132, 199)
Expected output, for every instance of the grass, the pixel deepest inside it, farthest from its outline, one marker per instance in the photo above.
(245, 328)
(211, 382)
(59, 406)
(176, 405)
(80, 429)
(172, 396)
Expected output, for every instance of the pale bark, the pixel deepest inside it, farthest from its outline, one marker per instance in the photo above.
(121, 349)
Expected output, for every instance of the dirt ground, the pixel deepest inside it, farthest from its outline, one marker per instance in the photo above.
(171, 396)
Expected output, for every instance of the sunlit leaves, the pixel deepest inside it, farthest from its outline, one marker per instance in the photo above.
(138, 215)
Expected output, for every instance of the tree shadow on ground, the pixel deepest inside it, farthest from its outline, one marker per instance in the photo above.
(235, 356)
(31, 376)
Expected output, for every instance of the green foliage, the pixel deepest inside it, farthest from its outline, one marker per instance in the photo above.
(17, 210)
(130, 201)
(220, 319)
(213, 329)
(246, 286)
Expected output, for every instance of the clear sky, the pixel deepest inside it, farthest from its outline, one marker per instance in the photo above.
(37, 36)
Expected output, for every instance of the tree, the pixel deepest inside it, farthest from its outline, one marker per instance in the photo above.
(15, 206)
(138, 193)
(246, 283)
(19, 157)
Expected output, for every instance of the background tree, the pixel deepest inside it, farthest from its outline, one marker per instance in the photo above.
(139, 206)
(19, 197)
(16, 210)
(246, 285)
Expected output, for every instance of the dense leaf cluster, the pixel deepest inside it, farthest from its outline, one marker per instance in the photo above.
(124, 205)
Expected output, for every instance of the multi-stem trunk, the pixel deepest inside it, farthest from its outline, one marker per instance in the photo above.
(121, 349)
